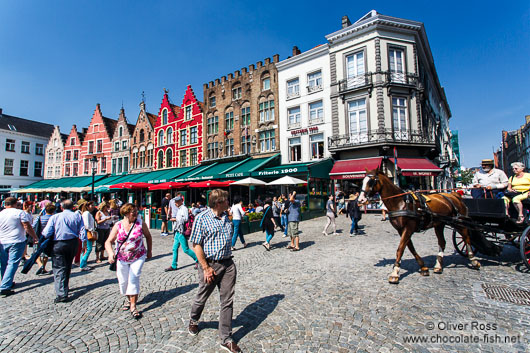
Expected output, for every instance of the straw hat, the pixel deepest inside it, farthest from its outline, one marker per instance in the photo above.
(101, 205)
(352, 197)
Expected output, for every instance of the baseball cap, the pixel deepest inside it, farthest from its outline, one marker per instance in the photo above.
(178, 198)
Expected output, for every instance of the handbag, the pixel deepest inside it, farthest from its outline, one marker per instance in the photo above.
(512, 194)
(112, 266)
(91, 235)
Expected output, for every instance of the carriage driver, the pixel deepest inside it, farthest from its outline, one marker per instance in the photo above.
(491, 179)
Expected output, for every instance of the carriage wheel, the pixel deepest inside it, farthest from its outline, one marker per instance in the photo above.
(460, 244)
(525, 247)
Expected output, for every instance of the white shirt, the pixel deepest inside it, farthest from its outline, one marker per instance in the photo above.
(181, 217)
(237, 212)
(11, 228)
(496, 178)
(88, 221)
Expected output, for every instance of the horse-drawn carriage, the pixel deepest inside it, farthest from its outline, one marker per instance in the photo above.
(488, 216)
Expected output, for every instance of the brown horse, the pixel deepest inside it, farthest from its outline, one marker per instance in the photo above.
(409, 220)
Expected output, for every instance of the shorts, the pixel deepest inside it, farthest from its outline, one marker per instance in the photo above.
(292, 229)
(164, 218)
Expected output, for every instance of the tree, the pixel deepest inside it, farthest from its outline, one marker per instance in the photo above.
(466, 177)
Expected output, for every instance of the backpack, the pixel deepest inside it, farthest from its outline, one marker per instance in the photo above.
(188, 225)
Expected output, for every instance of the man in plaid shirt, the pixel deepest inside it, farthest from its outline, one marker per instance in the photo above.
(211, 236)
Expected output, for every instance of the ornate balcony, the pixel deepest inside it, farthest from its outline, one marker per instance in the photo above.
(355, 83)
(401, 78)
(378, 137)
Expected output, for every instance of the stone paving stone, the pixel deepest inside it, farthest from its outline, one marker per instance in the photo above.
(333, 296)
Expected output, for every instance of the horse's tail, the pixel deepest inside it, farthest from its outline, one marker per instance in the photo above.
(483, 245)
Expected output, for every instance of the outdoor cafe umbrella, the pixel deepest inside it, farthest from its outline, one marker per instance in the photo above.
(169, 185)
(287, 180)
(249, 182)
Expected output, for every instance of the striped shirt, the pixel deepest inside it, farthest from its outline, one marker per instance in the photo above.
(214, 234)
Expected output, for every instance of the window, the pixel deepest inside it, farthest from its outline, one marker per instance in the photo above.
(316, 113)
(95, 128)
(25, 147)
(266, 111)
(150, 157)
(85, 167)
(120, 166)
(10, 145)
(113, 166)
(68, 155)
(91, 147)
(39, 149)
(100, 146)
(169, 136)
(213, 125)
(399, 117)
(76, 155)
(135, 160)
(266, 84)
(355, 70)
(294, 117)
(142, 135)
(8, 166)
(72, 141)
(188, 113)
(160, 159)
(103, 164)
(55, 143)
(24, 166)
(67, 170)
(213, 151)
(212, 102)
(395, 62)
(236, 93)
(160, 138)
(193, 157)
(58, 156)
(183, 158)
(317, 146)
(49, 172)
(125, 164)
(267, 141)
(164, 117)
(75, 169)
(169, 158)
(314, 81)
(183, 137)
(357, 120)
(245, 116)
(124, 145)
(295, 149)
(193, 135)
(142, 159)
(58, 171)
(229, 121)
(229, 147)
(245, 144)
(120, 131)
(116, 146)
(293, 88)
(50, 157)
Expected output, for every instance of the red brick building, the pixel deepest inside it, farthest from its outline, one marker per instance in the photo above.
(98, 142)
(189, 131)
(72, 156)
(165, 147)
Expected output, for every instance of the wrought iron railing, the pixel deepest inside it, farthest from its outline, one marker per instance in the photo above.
(292, 95)
(355, 82)
(404, 78)
(377, 137)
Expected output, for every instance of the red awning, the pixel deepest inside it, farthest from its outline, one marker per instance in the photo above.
(130, 185)
(211, 184)
(169, 185)
(417, 167)
(354, 168)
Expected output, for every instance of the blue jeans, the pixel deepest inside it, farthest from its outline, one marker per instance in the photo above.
(180, 239)
(10, 256)
(84, 258)
(354, 226)
(237, 232)
(284, 223)
(269, 236)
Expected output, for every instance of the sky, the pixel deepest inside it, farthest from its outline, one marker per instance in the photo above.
(58, 59)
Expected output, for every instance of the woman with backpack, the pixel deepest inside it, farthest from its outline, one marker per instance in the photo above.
(268, 224)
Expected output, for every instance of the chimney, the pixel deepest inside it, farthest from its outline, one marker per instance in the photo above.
(345, 21)
(142, 106)
(275, 58)
(296, 51)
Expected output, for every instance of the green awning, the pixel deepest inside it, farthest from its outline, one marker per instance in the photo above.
(246, 167)
(216, 171)
(166, 175)
(191, 173)
(318, 169)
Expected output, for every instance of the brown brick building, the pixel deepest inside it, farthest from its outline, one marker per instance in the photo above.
(241, 113)
(142, 146)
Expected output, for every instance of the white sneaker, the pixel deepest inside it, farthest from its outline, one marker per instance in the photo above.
(324, 233)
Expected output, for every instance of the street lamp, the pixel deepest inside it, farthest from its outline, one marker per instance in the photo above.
(94, 163)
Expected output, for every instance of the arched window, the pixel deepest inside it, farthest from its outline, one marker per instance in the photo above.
(121, 131)
(142, 135)
(164, 117)
(169, 158)
(169, 136)
(160, 159)
(160, 138)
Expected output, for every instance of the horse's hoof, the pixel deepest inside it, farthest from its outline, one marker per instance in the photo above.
(438, 270)
(424, 273)
(393, 279)
(476, 265)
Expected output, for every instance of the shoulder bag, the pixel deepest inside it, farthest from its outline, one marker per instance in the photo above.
(112, 266)
(91, 235)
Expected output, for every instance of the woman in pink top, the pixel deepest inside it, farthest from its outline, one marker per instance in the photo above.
(131, 254)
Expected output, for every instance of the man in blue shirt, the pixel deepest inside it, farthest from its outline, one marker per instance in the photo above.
(294, 218)
(64, 228)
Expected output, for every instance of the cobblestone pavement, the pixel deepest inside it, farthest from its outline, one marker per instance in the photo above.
(332, 296)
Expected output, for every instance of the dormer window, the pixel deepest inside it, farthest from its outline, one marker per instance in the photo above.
(164, 117)
(72, 141)
(188, 112)
(120, 131)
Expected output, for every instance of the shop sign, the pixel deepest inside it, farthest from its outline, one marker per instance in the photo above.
(349, 176)
(278, 171)
(419, 173)
(234, 175)
(304, 131)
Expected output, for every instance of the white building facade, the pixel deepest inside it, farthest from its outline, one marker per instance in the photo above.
(305, 105)
(54, 154)
(23, 143)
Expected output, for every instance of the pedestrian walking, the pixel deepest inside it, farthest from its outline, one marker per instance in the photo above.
(14, 224)
(28, 207)
(354, 212)
(331, 215)
(64, 229)
(38, 226)
(293, 218)
(268, 223)
(130, 255)
(90, 227)
(211, 235)
(164, 211)
(276, 208)
(103, 219)
(179, 217)
(284, 210)
(237, 217)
